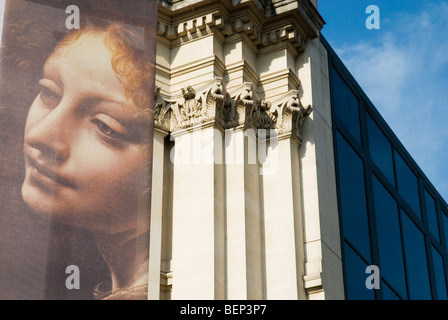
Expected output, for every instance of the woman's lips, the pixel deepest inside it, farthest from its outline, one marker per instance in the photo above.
(46, 177)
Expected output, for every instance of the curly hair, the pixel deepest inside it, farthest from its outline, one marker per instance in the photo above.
(133, 68)
(27, 46)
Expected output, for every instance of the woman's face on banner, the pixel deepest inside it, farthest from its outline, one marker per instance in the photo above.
(84, 156)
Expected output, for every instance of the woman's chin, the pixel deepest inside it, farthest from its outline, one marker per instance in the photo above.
(46, 204)
(39, 202)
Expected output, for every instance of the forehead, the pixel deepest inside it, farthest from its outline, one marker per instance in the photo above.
(84, 65)
(88, 49)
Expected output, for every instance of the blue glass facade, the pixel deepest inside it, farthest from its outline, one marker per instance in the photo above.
(391, 216)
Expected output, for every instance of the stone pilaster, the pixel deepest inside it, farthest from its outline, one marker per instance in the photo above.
(156, 214)
(281, 194)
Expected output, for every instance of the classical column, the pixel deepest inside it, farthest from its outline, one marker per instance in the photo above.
(243, 219)
(280, 189)
(161, 124)
(198, 193)
(282, 220)
(155, 243)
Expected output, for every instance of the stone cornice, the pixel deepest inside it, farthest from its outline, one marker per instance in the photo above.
(200, 18)
(202, 26)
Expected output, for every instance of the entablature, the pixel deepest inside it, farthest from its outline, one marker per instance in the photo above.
(183, 21)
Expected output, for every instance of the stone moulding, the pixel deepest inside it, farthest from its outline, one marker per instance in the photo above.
(241, 17)
(211, 103)
(189, 30)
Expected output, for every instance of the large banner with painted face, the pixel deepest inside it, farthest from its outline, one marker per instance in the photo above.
(76, 125)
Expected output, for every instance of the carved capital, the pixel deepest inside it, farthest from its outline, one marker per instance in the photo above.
(285, 115)
(290, 114)
(260, 116)
(195, 107)
(162, 112)
(230, 110)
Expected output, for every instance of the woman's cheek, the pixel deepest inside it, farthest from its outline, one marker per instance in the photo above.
(35, 114)
(108, 167)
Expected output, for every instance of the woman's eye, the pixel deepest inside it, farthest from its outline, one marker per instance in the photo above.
(106, 130)
(49, 97)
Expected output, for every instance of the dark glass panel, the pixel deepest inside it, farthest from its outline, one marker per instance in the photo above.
(388, 294)
(356, 276)
(445, 227)
(353, 197)
(389, 239)
(407, 184)
(416, 263)
(380, 150)
(439, 275)
(345, 105)
(431, 214)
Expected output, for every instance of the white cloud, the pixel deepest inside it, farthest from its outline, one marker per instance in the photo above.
(403, 76)
(379, 67)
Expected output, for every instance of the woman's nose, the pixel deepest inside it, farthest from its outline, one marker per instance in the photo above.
(51, 135)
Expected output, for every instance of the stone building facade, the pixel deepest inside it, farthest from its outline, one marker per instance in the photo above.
(244, 201)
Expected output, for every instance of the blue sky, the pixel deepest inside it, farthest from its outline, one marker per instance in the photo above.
(403, 69)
